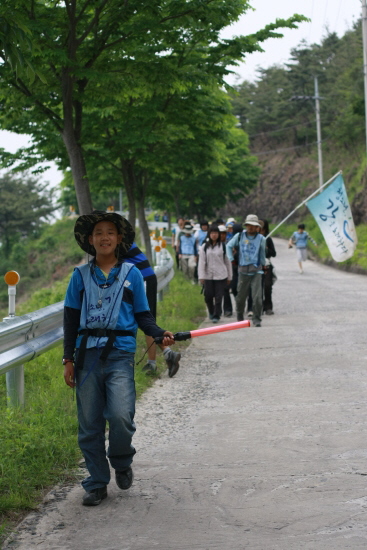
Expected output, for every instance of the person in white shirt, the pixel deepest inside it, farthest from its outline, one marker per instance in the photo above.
(215, 272)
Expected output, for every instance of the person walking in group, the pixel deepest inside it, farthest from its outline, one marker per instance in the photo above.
(202, 233)
(188, 251)
(300, 238)
(232, 288)
(105, 304)
(215, 272)
(251, 247)
(268, 276)
(172, 358)
(229, 227)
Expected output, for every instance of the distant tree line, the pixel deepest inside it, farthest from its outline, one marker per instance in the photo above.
(132, 95)
(272, 112)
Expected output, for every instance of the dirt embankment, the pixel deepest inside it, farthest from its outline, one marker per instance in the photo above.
(287, 178)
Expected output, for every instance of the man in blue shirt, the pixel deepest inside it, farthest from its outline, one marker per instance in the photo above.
(250, 245)
(105, 304)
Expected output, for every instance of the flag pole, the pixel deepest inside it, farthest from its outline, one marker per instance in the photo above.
(304, 202)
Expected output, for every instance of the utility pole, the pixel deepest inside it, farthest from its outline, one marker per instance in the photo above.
(318, 128)
(317, 98)
(364, 34)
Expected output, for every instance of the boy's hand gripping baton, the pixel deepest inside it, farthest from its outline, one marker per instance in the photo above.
(180, 336)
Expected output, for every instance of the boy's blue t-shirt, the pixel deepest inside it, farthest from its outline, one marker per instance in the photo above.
(300, 239)
(134, 300)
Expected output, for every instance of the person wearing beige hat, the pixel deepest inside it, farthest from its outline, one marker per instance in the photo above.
(251, 252)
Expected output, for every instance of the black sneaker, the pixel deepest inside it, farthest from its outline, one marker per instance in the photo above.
(124, 478)
(95, 496)
(149, 369)
(172, 360)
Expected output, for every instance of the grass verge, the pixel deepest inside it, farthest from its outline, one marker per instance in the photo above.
(39, 442)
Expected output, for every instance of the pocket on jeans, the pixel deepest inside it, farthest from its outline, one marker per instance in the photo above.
(121, 355)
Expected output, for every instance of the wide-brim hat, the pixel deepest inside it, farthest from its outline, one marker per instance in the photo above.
(252, 219)
(84, 227)
(188, 228)
(222, 228)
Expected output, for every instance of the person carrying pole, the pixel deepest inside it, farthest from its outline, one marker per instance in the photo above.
(105, 304)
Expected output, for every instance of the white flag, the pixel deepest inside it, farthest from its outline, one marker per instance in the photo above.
(332, 212)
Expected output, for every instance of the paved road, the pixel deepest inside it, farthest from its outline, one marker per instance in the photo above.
(259, 442)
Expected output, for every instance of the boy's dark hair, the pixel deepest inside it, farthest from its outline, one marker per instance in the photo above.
(301, 226)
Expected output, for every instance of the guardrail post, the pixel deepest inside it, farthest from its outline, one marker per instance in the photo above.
(14, 377)
(15, 386)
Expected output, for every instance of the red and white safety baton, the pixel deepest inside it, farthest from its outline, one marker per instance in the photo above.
(180, 336)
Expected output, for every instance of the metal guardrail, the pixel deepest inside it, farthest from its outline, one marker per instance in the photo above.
(28, 336)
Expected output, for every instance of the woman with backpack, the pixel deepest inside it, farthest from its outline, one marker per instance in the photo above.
(215, 272)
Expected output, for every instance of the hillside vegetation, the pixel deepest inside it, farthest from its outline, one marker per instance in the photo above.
(42, 260)
(278, 113)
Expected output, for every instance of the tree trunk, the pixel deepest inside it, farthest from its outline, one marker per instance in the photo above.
(71, 133)
(144, 228)
(142, 184)
(177, 207)
(79, 173)
(127, 168)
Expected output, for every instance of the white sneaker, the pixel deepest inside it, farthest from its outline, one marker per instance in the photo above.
(249, 314)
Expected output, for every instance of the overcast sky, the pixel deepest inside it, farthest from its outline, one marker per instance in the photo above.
(336, 15)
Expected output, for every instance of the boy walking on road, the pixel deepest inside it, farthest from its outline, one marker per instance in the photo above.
(251, 250)
(104, 306)
(300, 238)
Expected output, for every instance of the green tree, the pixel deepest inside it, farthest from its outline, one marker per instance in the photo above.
(25, 205)
(15, 38)
(100, 53)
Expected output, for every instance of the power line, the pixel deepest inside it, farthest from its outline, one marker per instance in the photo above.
(337, 15)
(281, 129)
(272, 151)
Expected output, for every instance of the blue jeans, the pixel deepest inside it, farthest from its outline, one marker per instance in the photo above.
(106, 393)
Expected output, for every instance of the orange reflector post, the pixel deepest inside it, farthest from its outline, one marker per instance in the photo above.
(12, 278)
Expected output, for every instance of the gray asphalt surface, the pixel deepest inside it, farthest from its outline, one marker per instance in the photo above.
(259, 442)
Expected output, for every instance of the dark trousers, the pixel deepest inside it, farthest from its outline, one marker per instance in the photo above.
(227, 302)
(213, 294)
(268, 287)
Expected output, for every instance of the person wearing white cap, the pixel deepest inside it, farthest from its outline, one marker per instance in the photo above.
(188, 251)
(251, 247)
